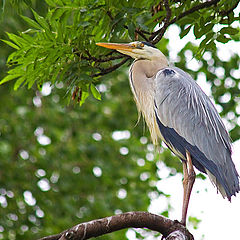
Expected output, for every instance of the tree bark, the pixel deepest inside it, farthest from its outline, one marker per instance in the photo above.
(171, 230)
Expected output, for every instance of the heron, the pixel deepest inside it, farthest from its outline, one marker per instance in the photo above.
(178, 112)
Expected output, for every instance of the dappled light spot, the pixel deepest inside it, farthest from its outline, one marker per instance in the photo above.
(97, 171)
(153, 195)
(123, 180)
(144, 176)
(219, 108)
(150, 147)
(12, 217)
(28, 198)
(46, 89)
(163, 171)
(3, 201)
(229, 83)
(220, 72)
(24, 154)
(120, 135)
(235, 73)
(226, 97)
(39, 131)
(39, 213)
(150, 156)
(76, 169)
(44, 140)
(217, 82)
(117, 211)
(42, 151)
(140, 162)
(24, 228)
(123, 150)
(59, 85)
(97, 136)
(10, 194)
(102, 88)
(143, 140)
(122, 193)
(32, 218)
(44, 185)
(54, 178)
(82, 211)
(37, 101)
(55, 98)
(40, 173)
(91, 198)
(230, 115)
(207, 56)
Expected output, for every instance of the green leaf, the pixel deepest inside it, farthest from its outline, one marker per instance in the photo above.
(40, 20)
(229, 30)
(223, 39)
(196, 31)
(95, 92)
(131, 30)
(155, 16)
(185, 31)
(18, 83)
(84, 97)
(57, 13)
(51, 3)
(18, 40)
(31, 22)
(9, 78)
(10, 44)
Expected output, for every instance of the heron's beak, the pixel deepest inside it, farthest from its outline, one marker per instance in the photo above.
(117, 46)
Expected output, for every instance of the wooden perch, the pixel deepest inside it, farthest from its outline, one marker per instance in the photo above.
(171, 230)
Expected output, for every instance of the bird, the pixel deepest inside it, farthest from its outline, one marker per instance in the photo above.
(179, 113)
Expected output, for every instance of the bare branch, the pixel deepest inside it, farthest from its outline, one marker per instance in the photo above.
(171, 230)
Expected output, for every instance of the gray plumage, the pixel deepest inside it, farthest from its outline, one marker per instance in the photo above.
(183, 106)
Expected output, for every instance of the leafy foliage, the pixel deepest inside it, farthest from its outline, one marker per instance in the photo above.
(60, 164)
(59, 45)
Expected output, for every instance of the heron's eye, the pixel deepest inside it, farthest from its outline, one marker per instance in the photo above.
(134, 45)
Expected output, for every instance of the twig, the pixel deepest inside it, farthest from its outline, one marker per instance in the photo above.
(166, 24)
(225, 13)
(194, 9)
(191, 10)
(169, 229)
(111, 69)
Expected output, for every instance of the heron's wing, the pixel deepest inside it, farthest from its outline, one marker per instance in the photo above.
(188, 121)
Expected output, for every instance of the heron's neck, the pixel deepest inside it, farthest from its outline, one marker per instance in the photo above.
(148, 68)
(142, 75)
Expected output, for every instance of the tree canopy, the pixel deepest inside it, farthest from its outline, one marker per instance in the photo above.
(62, 163)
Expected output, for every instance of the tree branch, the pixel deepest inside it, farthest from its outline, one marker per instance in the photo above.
(111, 69)
(166, 24)
(171, 230)
(194, 9)
(159, 33)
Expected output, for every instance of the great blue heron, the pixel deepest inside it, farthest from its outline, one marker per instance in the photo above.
(179, 113)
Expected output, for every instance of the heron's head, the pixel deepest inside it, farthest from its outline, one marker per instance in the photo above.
(136, 50)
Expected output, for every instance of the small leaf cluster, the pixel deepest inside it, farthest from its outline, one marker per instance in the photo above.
(211, 26)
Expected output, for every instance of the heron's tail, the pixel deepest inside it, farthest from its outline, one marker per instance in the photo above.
(230, 188)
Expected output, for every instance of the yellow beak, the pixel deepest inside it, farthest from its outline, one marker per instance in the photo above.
(117, 46)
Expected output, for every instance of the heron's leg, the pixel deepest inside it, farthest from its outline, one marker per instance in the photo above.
(188, 181)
